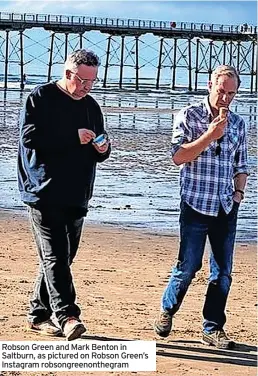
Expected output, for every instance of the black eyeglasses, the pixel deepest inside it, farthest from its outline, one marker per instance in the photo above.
(86, 81)
(218, 147)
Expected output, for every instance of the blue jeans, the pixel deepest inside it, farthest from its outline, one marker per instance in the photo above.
(57, 233)
(194, 229)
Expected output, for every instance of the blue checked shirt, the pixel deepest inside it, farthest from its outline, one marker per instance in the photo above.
(207, 181)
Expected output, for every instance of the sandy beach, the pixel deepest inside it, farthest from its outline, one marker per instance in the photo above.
(119, 276)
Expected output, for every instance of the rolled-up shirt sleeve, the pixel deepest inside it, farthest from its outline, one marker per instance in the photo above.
(241, 157)
(181, 133)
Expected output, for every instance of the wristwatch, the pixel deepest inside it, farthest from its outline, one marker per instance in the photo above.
(241, 192)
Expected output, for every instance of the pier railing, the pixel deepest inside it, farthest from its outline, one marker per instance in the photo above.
(41, 20)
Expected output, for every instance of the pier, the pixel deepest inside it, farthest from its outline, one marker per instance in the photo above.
(191, 49)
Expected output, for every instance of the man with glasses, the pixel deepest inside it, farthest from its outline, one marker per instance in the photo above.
(56, 170)
(209, 143)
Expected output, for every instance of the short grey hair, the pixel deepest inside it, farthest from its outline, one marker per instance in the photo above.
(82, 56)
(226, 70)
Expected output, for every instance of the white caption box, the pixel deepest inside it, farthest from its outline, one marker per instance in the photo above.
(77, 356)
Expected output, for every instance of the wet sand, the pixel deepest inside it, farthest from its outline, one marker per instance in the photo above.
(138, 186)
(119, 277)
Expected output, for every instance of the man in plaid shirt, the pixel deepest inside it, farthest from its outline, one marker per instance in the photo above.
(209, 144)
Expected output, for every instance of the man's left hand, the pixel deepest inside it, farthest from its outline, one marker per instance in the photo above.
(102, 149)
(237, 197)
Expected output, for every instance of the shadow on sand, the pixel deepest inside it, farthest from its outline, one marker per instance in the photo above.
(242, 354)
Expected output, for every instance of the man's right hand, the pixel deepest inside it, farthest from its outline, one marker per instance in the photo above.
(217, 128)
(86, 135)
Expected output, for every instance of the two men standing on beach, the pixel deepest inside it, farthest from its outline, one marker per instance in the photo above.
(209, 143)
(57, 161)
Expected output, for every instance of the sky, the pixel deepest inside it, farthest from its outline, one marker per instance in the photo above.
(220, 12)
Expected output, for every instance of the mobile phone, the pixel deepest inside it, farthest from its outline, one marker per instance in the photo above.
(100, 140)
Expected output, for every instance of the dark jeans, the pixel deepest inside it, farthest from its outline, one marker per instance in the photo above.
(194, 229)
(57, 233)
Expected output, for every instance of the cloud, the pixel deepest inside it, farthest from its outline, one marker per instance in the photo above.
(103, 7)
(119, 9)
(23, 6)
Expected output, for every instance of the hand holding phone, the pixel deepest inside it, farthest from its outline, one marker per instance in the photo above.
(100, 140)
(101, 143)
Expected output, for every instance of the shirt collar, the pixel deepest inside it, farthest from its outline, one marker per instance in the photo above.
(207, 105)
